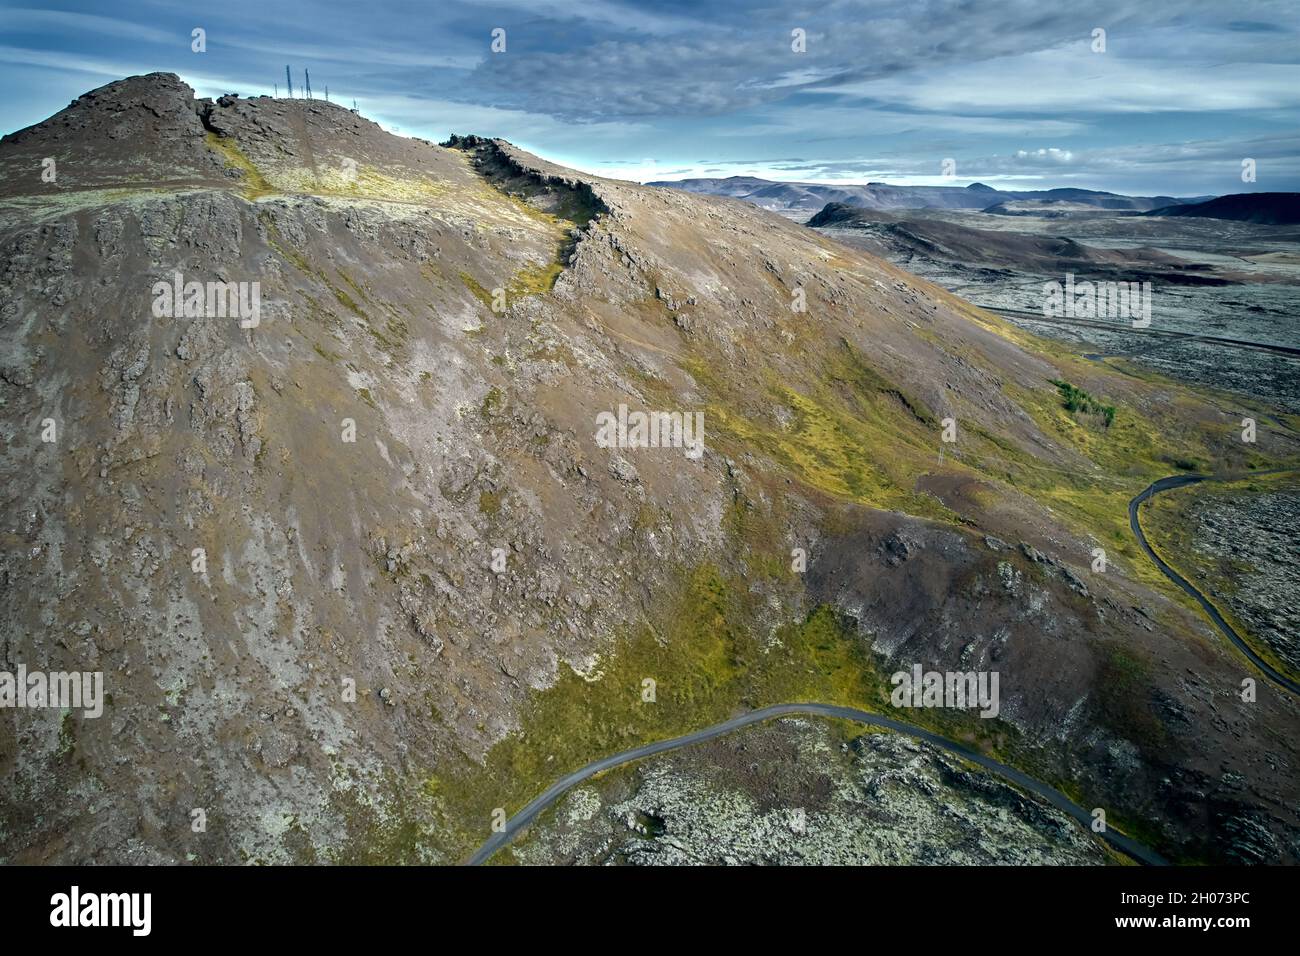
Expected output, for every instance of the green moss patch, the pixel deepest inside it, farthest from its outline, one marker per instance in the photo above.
(255, 184)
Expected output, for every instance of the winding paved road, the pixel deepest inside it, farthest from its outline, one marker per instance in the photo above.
(1053, 796)
(1179, 481)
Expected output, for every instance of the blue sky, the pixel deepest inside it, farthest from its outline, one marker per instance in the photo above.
(1012, 91)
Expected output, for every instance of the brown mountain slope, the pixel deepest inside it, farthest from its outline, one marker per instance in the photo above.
(328, 563)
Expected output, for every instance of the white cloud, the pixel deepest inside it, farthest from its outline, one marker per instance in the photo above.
(1050, 154)
(1073, 79)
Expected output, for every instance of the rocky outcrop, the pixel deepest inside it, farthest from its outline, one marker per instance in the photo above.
(794, 793)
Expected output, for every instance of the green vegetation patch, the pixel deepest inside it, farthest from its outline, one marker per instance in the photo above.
(845, 436)
(534, 280)
(359, 182)
(1078, 401)
(255, 184)
(1120, 461)
(476, 288)
(493, 401)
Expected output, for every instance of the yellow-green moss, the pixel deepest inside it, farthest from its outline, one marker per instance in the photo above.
(845, 437)
(476, 288)
(533, 280)
(492, 401)
(365, 182)
(255, 184)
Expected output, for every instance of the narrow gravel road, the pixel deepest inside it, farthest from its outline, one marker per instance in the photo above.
(1053, 796)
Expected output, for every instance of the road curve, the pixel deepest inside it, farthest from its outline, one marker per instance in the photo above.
(1178, 481)
(1053, 796)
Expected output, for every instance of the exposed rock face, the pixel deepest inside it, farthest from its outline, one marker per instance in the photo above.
(332, 557)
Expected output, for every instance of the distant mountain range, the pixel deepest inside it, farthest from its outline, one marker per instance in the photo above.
(781, 197)
(1272, 209)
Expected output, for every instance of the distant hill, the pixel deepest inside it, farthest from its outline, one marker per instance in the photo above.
(1046, 209)
(781, 196)
(900, 237)
(1270, 209)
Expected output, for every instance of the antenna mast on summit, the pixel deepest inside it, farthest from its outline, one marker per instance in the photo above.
(306, 74)
(288, 78)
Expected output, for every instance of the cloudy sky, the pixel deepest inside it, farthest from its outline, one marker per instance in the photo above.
(1012, 90)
